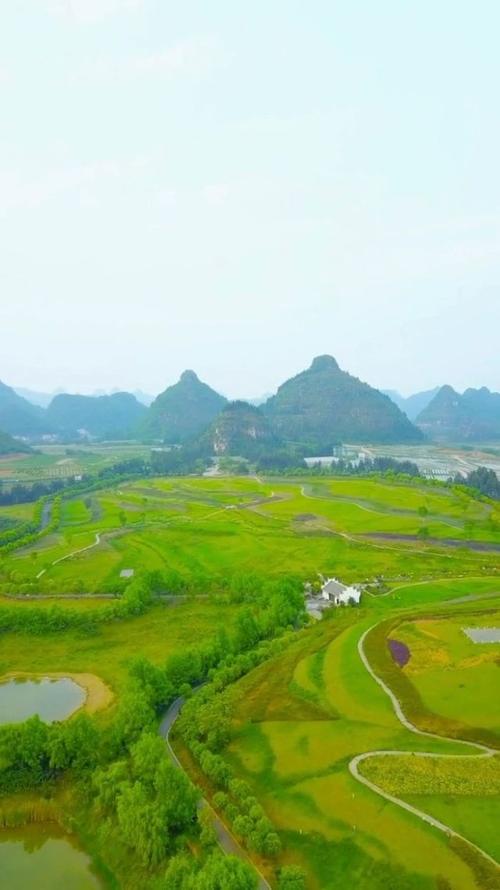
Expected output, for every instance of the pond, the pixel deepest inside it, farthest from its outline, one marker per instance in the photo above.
(483, 634)
(43, 857)
(51, 699)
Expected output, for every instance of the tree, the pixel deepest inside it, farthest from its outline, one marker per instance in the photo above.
(153, 681)
(179, 873)
(291, 877)
(485, 481)
(208, 836)
(225, 873)
(247, 631)
(141, 824)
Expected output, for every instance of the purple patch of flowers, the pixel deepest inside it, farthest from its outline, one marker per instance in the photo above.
(399, 651)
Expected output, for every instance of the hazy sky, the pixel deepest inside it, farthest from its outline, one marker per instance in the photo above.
(237, 187)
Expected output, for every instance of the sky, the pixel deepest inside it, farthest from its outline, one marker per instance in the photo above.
(236, 188)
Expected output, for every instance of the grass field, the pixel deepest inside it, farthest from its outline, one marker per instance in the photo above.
(222, 526)
(299, 721)
(454, 676)
(157, 634)
(301, 718)
(66, 461)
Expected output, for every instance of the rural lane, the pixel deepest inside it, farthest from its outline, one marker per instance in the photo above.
(73, 553)
(485, 751)
(225, 839)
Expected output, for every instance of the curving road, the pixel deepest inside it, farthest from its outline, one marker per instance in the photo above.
(227, 842)
(73, 553)
(485, 751)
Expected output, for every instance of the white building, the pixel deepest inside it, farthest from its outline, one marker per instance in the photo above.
(339, 594)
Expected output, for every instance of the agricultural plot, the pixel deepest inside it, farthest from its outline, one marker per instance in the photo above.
(454, 676)
(66, 461)
(300, 721)
(304, 722)
(221, 526)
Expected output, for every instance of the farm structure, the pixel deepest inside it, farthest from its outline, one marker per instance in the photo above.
(339, 594)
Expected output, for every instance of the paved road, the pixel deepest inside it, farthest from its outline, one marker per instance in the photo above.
(485, 751)
(226, 840)
(46, 514)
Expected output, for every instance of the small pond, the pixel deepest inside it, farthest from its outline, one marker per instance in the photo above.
(51, 699)
(483, 634)
(399, 651)
(43, 857)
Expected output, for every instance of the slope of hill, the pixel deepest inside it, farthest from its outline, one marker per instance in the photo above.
(325, 405)
(239, 430)
(471, 417)
(9, 445)
(106, 417)
(182, 410)
(18, 416)
(414, 404)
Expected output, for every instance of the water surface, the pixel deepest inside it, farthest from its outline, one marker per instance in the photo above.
(483, 634)
(51, 699)
(43, 857)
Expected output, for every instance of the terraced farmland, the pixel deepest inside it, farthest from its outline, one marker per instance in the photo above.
(222, 526)
(375, 772)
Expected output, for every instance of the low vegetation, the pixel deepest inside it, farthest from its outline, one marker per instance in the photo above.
(275, 708)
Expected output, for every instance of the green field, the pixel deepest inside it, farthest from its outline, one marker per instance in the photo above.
(164, 630)
(221, 526)
(299, 719)
(454, 676)
(298, 723)
(50, 462)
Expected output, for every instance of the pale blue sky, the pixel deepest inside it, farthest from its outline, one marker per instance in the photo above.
(237, 187)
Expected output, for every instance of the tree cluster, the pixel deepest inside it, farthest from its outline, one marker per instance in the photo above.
(484, 481)
(139, 798)
(28, 533)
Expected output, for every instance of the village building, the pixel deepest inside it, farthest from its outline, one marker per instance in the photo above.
(339, 594)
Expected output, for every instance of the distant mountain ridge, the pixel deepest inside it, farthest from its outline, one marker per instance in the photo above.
(43, 399)
(312, 411)
(451, 417)
(324, 405)
(411, 405)
(18, 416)
(106, 417)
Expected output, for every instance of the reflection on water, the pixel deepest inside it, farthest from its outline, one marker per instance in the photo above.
(50, 699)
(43, 857)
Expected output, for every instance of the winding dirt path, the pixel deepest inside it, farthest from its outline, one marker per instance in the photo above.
(484, 751)
(73, 553)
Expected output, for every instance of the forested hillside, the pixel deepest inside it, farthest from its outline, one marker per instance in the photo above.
(182, 410)
(325, 405)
